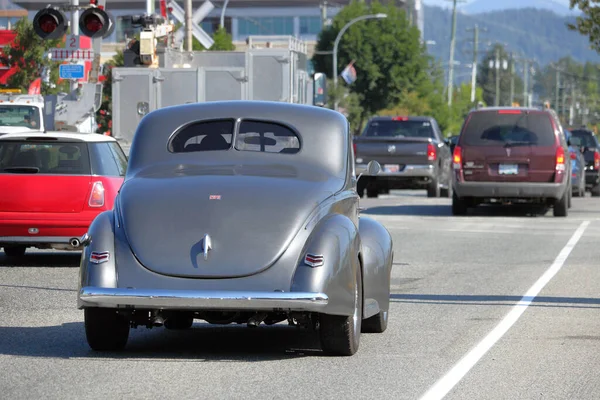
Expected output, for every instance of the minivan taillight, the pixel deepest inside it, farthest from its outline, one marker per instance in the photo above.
(457, 158)
(97, 196)
(431, 152)
(354, 148)
(596, 160)
(560, 159)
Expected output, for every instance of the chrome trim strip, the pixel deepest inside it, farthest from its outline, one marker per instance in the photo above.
(37, 239)
(201, 299)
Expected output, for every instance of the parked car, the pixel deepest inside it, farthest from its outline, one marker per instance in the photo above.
(507, 154)
(591, 153)
(238, 212)
(53, 185)
(412, 152)
(577, 164)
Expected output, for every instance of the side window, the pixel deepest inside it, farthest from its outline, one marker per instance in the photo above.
(103, 162)
(266, 137)
(203, 136)
(119, 156)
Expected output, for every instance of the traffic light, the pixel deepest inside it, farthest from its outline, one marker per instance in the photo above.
(95, 23)
(50, 23)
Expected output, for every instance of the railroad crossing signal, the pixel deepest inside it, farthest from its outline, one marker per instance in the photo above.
(201, 35)
(51, 23)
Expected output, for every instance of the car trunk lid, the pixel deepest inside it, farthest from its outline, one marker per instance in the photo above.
(250, 217)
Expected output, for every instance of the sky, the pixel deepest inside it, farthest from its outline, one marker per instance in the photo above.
(448, 2)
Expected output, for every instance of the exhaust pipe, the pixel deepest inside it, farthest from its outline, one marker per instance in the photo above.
(74, 242)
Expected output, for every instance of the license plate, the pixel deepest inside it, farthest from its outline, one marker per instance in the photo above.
(391, 168)
(508, 169)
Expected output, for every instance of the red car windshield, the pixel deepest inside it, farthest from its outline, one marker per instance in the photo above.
(492, 128)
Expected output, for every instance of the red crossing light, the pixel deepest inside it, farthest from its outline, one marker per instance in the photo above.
(96, 23)
(50, 23)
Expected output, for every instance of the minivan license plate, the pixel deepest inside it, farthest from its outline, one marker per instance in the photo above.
(508, 169)
(391, 168)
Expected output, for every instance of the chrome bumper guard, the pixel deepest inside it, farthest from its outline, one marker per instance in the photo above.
(201, 300)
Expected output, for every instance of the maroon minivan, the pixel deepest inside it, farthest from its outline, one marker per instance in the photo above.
(511, 155)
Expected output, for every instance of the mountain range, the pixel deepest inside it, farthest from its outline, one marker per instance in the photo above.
(540, 34)
(560, 7)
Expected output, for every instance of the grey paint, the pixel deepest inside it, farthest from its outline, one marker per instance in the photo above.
(274, 209)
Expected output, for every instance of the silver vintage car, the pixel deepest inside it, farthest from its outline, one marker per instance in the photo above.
(238, 212)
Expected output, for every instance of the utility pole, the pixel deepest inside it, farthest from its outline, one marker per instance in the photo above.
(188, 25)
(557, 90)
(572, 108)
(525, 83)
(323, 14)
(452, 45)
(512, 79)
(475, 59)
(497, 67)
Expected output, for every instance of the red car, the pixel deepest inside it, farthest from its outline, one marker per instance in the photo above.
(53, 185)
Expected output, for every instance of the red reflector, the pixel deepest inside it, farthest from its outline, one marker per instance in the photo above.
(99, 257)
(510, 112)
(400, 119)
(313, 260)
(573, 156)
(97, 196)
(431, 152)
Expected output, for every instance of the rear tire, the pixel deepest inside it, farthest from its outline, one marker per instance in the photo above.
(433, 189)
(372, 192)
(340, 335)
(376, 324)
(459, 206)
(561, 207)
(15, 251)
(105, 329)
(596, 190)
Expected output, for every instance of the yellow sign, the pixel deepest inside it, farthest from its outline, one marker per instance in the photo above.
(10, 90)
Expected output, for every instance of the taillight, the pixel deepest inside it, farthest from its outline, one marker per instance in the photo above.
(573, 156)
(560, 159)
(457, 157)
(431, 152)
(97, 196)
(596, 160)
(354, 148)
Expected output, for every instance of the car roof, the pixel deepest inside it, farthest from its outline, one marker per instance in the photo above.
(79, 137)
(408, 117)
(484, 109)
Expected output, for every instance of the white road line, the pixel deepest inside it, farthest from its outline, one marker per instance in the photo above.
(443, 386)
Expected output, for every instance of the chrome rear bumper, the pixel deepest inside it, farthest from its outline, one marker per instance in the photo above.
(200, 300)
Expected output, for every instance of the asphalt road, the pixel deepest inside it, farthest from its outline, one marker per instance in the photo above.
(459, 322)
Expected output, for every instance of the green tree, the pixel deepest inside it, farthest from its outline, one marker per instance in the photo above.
(588, 24)
(486, 78)
(27, 54)
(389, 58)
(104, 114)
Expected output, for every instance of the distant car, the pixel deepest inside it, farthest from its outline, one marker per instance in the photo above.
(577, 164)
(412, 152)
(507, 154)
(238, 212)
(53, 185)
(591, 152)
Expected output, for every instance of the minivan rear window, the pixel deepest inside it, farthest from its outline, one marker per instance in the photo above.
(586, 138)
(407, 129)
(60, 158)
(491, 128)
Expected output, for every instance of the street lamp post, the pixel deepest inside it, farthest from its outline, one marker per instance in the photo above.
(337, 42)
(222, 22)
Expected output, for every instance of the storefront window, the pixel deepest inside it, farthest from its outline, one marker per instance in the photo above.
(310, 25)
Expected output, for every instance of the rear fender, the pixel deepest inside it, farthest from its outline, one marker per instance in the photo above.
(377, 257)
(101, 233)
(336, 239)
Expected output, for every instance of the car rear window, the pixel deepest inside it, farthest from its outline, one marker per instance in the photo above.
(59, 158)
(586, 138)
(267, 137)
(409, 129)
(493, 128)
(108, 159)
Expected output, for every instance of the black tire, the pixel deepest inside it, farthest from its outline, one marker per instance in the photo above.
(596, 190)
(372, 192)
(376, 324)
(459, 206)
(561, 207)
(340, 335)
(433, 189)
(179, 322)
(570, 198)
(15, 251)
(105, 329)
